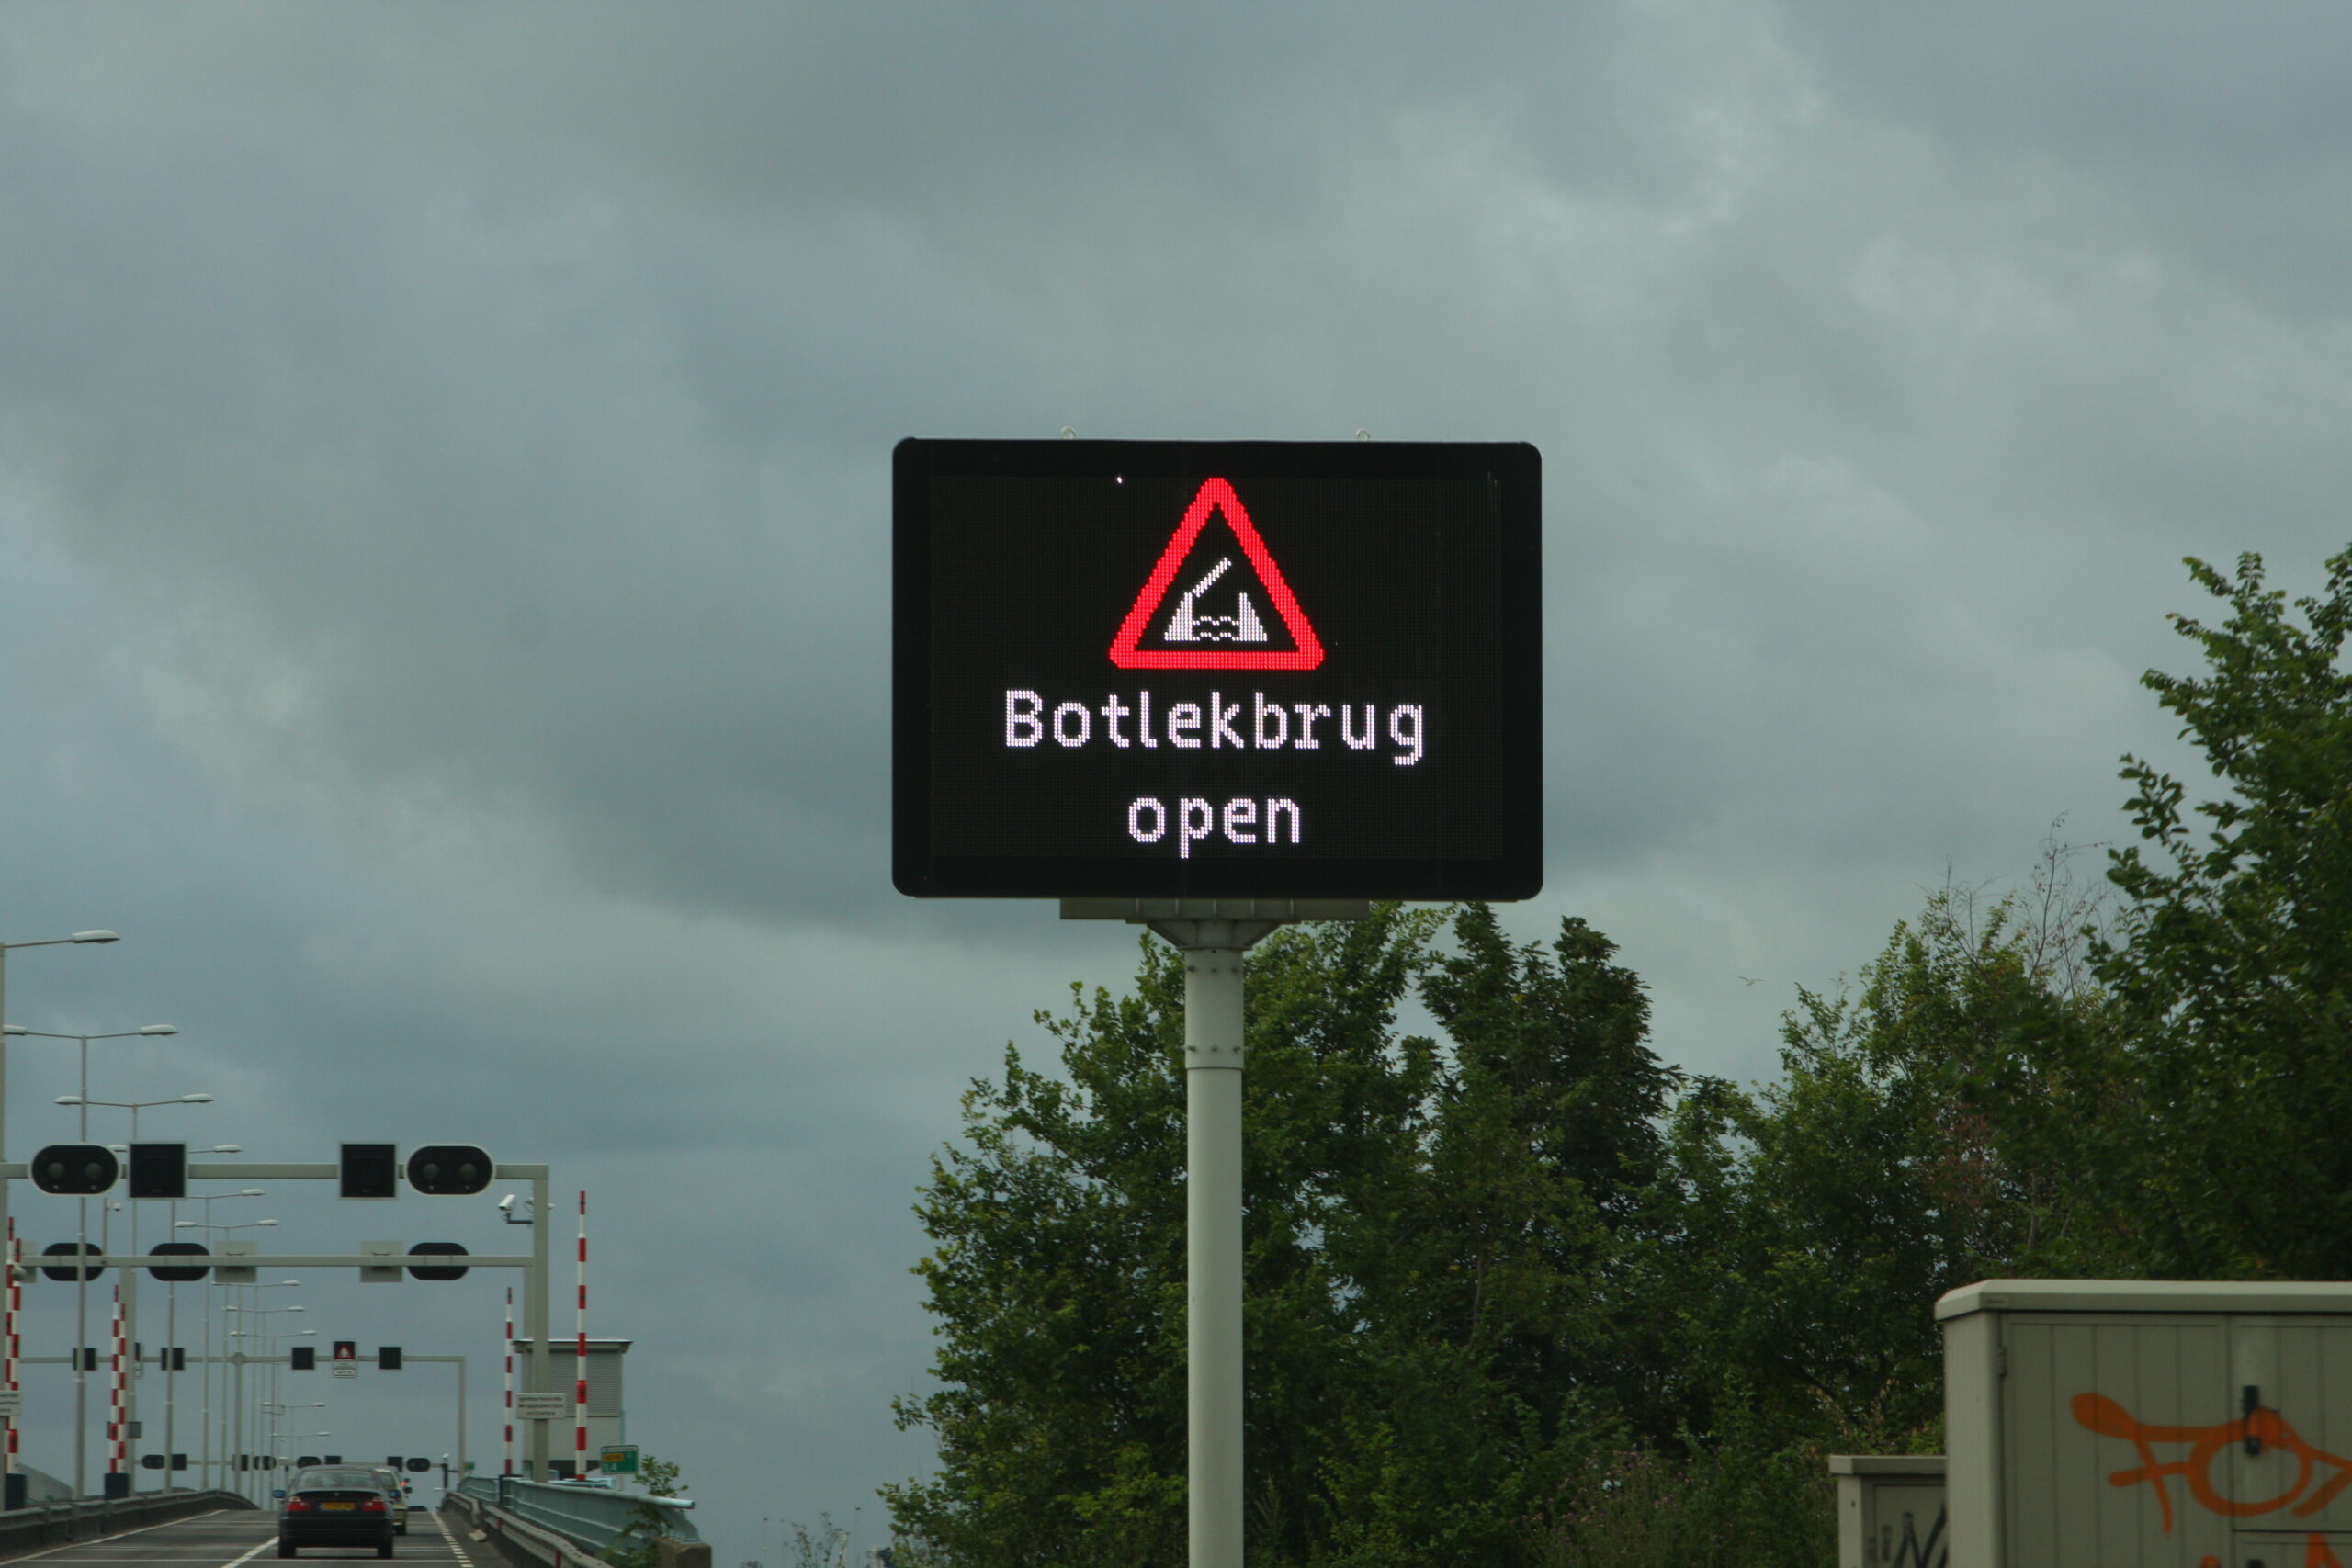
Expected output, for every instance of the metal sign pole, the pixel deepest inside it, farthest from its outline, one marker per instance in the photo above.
(1213, 1026)
(1213, 935)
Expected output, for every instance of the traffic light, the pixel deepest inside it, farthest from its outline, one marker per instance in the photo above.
(89, 1358)
(306, 1462)
(70, 1272)
(76, 1170)
(305, 1358)
(387, 1357)
(171, 1358)
(175, 1273)
(451, 1170)
(436, 1270)
(370, 1170)
(159, 1171)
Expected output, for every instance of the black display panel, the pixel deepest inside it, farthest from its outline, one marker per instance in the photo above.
(1231, 669)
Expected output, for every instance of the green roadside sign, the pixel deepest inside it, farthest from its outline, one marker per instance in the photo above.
(619, 1459)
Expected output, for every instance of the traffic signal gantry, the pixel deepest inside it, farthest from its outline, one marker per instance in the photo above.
(364, 1171)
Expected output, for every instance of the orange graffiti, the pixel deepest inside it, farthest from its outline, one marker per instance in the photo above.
(2108, 1419)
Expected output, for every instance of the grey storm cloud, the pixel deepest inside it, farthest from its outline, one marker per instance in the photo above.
(443, 515)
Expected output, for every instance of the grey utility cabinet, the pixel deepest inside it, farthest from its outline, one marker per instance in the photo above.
(2148, 1424)
(1889, 1511)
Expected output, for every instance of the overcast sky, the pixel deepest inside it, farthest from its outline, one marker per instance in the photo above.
(444, 499)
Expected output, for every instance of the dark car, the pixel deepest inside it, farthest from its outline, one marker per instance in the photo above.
(337, 1505)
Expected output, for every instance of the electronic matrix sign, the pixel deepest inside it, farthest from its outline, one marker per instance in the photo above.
(1245, 668)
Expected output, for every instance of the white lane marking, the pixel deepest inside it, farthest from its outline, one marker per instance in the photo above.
(439, 1524)
(125, 1535)
(257, 1551)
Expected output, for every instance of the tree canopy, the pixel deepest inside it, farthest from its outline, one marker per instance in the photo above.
(1518, 1292)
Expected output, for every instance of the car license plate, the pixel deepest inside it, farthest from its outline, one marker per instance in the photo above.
(339, 1507)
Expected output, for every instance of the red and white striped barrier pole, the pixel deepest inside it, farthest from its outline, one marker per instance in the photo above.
(580, 1367)
(117, 1430)
(510, 1380)
(13, 1341)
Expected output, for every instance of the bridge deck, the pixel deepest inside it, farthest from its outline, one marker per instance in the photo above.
(236, 1537)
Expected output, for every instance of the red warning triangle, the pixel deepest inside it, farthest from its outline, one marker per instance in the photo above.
(1216, 495)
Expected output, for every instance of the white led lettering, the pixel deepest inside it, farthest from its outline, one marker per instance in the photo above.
(1405, 728)
(1022, 725)
(1188, 831)
(1221, 718)
(1029, 718)
(1197, 821)
(1260, 711)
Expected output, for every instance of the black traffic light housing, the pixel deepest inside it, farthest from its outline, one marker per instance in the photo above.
(68, 1273)
(436, 1270)
(76, 1170)
(305, 1358)
(451, 1170)
(159, 1171)
(370, 1170)
(387, 1357)
(178, 1272)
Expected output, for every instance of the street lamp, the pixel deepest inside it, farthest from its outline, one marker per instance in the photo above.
(92, 938)
(249, 1428)
(203, 1418)
(232, 1375)
(130, 1277)
(81, 1207)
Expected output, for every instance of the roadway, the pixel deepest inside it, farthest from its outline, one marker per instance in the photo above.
(235, 1537)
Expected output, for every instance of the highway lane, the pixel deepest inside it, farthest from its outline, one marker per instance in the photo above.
(234, 1538)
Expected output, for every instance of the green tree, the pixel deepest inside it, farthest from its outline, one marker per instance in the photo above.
(1931, 1129)
(2234, 951)
(1430, 1234)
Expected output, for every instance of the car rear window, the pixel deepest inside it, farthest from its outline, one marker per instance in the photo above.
(333, 1480)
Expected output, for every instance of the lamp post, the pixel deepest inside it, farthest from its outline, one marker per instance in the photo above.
(249, 1429)
(277, 1424)
(80, 1270)
(131, 1275)
(81, 938)
(203, 1418)
(232, 1391)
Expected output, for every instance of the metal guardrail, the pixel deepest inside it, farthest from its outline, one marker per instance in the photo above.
(589, 1515)
(53, 1524)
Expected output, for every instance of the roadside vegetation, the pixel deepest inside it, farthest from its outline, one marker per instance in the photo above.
(1521, 1295)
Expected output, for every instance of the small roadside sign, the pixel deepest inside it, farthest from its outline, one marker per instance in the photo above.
(345, 1369)
(619, 1459)
(542, 1406)
(12, 1403)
